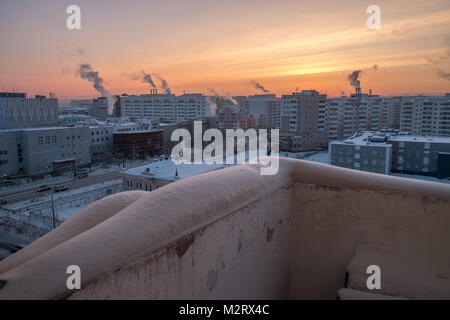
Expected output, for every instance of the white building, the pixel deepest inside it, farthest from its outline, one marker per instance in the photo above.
(164, 106)
(425, 115)
(158, 174)
(17, 111)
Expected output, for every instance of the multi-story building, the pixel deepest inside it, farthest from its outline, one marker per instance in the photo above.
(266, 105)
(34, 150)
(138, 144)
(341, 117)
(99, 108)
(390, 113)
(101, 142)
(425, 115)
(17, 111)
(303, 119)
(425, 155)
(367, 152)
(389, 151)
(232, 117)
(164, 106)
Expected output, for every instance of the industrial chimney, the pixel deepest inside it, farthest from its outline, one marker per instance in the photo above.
(358, 88)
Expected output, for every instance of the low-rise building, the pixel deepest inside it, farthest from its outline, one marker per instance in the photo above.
(138, 144)
(158, 174)
(390, 151)
(414, 154)
(367, 152)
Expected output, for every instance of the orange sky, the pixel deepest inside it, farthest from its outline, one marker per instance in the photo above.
(199, 44)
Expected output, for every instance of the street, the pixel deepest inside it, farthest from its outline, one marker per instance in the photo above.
(28, 192)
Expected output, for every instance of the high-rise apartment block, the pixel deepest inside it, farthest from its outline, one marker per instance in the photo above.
(164, 106)
(303, 119)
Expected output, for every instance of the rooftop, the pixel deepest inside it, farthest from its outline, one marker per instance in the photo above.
(373, 138)
(165, 170)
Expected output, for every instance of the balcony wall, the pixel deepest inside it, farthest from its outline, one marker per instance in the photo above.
(233, 233)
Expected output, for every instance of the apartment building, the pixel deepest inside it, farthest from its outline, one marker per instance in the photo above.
(303, 119)
(390, 112)
(425, 115)
(263, 105)
(164, 106)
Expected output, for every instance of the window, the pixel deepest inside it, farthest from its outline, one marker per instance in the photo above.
(40, 140)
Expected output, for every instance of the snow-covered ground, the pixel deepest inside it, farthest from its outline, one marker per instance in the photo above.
(33, 218)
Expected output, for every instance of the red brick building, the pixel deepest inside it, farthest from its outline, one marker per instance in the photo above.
(138, 144)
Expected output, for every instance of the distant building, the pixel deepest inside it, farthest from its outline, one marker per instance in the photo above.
(303, 120)
(232, 117)
(138, 144)
(414, 154)
(425, 115)
(366, 152)
(34, 150)
(17, 111)
(167, 107)
(388, 151)
(161, 173)
(263, 106)
(99, 108)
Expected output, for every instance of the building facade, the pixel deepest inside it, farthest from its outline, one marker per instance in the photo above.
(303, 119)
(17, 111)
(138, 144)
(164, 106)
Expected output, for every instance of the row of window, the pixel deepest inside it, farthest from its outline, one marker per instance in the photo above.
(47, 139)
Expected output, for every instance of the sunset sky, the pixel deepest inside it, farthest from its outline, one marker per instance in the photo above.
(201, 44)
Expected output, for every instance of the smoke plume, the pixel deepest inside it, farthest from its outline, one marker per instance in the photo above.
(353, 78)
(85, 71)
(163, 83)
(444, 75)
(258, 86)
(144, 77)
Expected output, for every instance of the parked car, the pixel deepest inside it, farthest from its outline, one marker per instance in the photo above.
(43, 188)
(3, 201)
(105, 166)
(60, 188)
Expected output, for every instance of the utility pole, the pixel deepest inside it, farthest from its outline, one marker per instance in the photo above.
(53, 212)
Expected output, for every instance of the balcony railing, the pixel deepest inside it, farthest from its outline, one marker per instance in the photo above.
(307, 232)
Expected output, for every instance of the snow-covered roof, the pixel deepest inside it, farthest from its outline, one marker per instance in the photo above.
(166, 170)
(411, 138)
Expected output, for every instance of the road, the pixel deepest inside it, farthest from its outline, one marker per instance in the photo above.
(29, 192)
